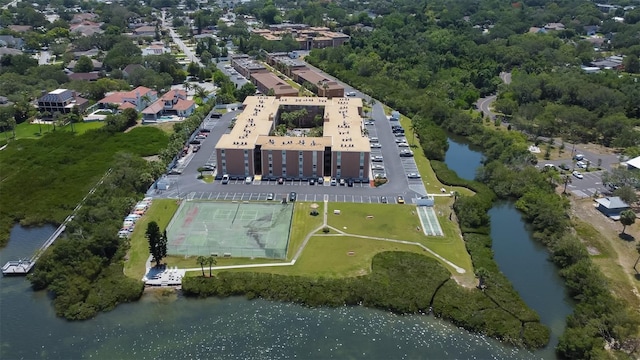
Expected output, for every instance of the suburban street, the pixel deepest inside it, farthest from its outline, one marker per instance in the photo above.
(176, 39)
(484, 104)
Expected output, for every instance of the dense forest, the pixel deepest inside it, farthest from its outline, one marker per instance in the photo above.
(433, 62)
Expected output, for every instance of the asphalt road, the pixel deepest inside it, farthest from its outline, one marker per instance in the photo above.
(484, 104)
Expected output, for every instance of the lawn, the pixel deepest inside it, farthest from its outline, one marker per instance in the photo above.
(337, 256)
(26, 130)
(161, 211)
(302, 224)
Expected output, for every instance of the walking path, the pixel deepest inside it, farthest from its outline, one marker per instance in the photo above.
(314, 232)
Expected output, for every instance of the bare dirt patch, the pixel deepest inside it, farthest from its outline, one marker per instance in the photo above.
(614, 255)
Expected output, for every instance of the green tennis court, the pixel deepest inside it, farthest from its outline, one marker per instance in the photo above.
(254, 230)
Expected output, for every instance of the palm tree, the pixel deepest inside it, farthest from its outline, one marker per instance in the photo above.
(187, 86)
(146, 99)
(211, 260)
(202, 93)
(638, 259)
(202, 261)
(482, 274)
(627, 217)
(566, 179)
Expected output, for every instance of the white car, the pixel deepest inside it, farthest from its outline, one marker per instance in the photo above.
(376, 146)
(578, 174)
(248, 180)
(351, 93)
(403, 144)
(413, 176)
(369, 123)
(376, 159)
(403, 140)
(373, 139)
(377, 167)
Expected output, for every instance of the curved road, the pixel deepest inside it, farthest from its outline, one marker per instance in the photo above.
(484, 104)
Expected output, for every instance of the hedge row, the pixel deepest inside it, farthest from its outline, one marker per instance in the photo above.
(400, 282)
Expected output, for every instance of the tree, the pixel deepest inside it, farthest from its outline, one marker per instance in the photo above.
(626, 193)
(482, 274)
(638, 259)
(627, 217)
(83, 65)
(202, 261)
(566, 179)
(631, 64)
(211, 260)
(157, 242)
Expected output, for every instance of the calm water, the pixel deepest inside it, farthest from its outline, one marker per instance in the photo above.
(168, 327)
(523, 260)
(462, 159)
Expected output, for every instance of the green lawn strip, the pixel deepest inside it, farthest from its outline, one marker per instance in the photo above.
(161, 211)
(26, 130)
(329, 256)
(302, 224)
(192, 262)
(400, 222)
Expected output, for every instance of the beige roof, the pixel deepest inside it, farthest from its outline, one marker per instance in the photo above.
(342, 128)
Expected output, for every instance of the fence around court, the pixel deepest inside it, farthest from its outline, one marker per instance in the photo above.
(224, 229)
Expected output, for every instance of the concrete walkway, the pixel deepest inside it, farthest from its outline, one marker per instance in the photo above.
(314, 232)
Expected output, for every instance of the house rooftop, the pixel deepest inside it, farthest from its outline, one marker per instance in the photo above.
(612, 202)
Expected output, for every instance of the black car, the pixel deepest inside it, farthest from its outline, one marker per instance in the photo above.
(292, 196)
(194, 142)
(384, 200)
(312, 181)
(350, 182)
(205, 130)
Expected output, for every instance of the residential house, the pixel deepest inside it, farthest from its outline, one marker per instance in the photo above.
(97, 65)
(89, 53)
(90, 76)
(9, 51)
(129, 69)
(554, 27)
(174, 102)
(10, 41)
(61, 101)
(144, 31)
(634, 164)
(537, 30)
(20, 28)
(138, 98)
(86, 28)
(591, 30)
(611, 62)
(155, 49)
(612, 206)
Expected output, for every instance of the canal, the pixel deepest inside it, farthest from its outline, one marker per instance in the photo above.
(522, 259)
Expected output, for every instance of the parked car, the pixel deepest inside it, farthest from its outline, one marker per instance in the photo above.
(413, 176)
(581, 165)
(406, 153)
(334, 182)
(373, 139)
(280, 181)
(400, 199)
(564, 166)
(376, 146)
(194, 142)
(403, 144)
(342, 182)
(350, 183)
(312, 181)
(351, 93)
(383, 199)
(377, 167)
(377, 158)
(579, 157)
(205, 130)
(209, 167)
(225, 179)
(369, 122)
(401, 140)
(248, 180)
(271, 196)
(578, 174)
(292, 196)
(320, 180)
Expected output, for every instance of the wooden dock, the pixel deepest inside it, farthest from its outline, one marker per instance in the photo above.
(22, 267)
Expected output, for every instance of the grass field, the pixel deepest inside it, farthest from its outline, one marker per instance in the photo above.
(400, 222)
(302, 224)
(36, 131)
(161, 211)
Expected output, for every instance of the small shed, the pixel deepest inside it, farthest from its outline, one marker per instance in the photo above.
(612, 206)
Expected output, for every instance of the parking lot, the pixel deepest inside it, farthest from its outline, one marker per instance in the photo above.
(263, 196)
